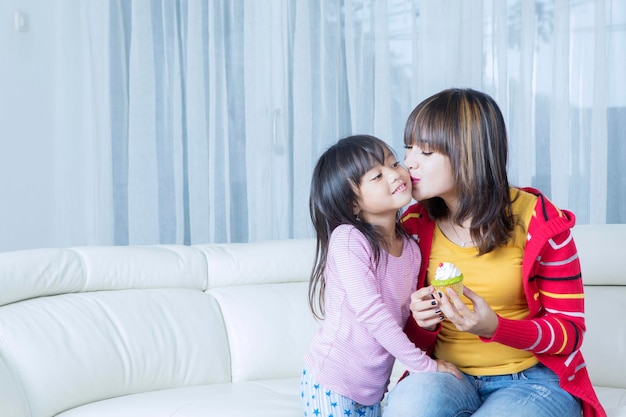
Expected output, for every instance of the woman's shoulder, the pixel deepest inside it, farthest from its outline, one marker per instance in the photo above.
(545, 213)
(415, 220)
(524, 203)
(525, 194)
(415, 211)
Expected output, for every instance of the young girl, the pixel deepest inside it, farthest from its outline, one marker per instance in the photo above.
(365, 271)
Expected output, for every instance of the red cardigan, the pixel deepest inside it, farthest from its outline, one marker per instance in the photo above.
(554, 329)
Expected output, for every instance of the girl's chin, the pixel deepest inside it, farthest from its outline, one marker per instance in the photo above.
(408, 201)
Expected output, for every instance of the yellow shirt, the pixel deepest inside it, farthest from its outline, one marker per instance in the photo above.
(496, 277)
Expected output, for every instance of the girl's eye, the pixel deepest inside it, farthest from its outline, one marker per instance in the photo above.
(377, 177)
(408, 146)
(426, 153)
(395, 164)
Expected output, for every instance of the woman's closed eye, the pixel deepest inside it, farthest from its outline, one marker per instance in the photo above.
(422, 151)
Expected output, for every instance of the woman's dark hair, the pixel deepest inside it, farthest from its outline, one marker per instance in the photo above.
(468, 127)
(334, 193)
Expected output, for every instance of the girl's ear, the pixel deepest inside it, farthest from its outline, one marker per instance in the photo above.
(355, 209)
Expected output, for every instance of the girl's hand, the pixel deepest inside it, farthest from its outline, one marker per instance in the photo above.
(425, 308)
(483, 321)
(443, 366)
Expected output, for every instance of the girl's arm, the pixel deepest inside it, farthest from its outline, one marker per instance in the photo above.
(352, 268)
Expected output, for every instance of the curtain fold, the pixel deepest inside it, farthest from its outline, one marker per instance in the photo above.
(192, 121)
(599, 152)
(559, 122)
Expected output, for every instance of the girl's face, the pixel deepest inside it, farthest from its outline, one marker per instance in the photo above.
(384, 190)
(431, 174)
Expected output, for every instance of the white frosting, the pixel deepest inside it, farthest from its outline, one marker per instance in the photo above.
(446, 270)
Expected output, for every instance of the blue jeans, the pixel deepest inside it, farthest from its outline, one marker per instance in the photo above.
(534, 392)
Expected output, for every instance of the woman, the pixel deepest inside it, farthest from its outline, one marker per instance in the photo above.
(517, 332)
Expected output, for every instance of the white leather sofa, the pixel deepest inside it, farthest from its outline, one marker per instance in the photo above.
(210, 330)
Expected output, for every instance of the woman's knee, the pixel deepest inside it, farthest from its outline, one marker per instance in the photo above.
(430, 394)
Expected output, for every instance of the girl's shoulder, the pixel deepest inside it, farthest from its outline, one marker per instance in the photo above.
(346, 238)
(345, 232)
(344, 229)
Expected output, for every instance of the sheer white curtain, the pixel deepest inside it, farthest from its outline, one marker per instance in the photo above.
(172, 121)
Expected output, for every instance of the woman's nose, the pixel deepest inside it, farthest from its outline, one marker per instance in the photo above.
(410, 161)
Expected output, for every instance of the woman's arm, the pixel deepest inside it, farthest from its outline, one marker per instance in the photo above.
(423, 325)
(558, 325)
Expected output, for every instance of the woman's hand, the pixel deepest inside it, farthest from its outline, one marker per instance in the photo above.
(425, 308)
(483, 321)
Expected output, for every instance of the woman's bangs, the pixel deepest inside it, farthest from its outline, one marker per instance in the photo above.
(432, 138)
(427, 130)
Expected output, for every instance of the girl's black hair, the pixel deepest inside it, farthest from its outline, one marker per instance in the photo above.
(334, 193)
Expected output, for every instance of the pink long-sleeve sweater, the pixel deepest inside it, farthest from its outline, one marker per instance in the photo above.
(353, 352)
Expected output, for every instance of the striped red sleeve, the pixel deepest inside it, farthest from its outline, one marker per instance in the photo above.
(559, 325)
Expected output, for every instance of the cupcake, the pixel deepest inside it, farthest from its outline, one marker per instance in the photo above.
(448, 276)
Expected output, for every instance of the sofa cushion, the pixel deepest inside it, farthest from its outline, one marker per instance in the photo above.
(613, 400)
(605, 311)
(269, 328)
(271, 262)
(271, 398)
(600, 247)
(67, 350)
(43, 272)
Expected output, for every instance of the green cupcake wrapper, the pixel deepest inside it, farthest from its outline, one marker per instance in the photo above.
(455, 283)
(440, 282)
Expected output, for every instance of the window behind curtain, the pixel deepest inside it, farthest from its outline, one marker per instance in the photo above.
(142, 122)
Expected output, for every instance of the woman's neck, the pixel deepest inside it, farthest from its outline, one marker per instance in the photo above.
(459, 234)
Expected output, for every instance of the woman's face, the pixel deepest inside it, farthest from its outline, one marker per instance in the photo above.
(431, 174)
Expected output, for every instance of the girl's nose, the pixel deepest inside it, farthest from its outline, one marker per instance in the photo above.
(393, 177)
